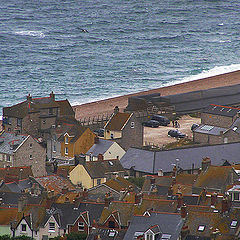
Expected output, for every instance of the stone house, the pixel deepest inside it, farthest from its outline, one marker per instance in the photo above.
(219, 124)
(124, 128)
(107, 148)
(18, 150)
(35, 116)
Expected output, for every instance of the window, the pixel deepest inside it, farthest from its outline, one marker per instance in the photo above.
(30, 156)
(66, 150)
(111, 224)
(44, 121)
(9, 121)
(9, 129)
(50, 111)
(23, 227)
(98, 181)
(149, 236)
(51, 227)
(236, 196)
(8, 158)
(66, 140)
(201, 228)
(19, 122)
(30, 145)
(234, 224)
(111, 135)
(80, 226)
(132, 124)
(54, 148)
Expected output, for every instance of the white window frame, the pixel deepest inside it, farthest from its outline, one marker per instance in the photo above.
(51, 228)
(66, 140)
(66, 150)
(30, 156)
(23, 224)
(132, 124)
(81, 226)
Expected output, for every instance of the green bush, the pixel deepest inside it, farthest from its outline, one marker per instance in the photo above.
(5, 237)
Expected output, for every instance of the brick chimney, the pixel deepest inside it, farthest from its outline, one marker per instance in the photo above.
(52, 95)
(179, 201)
(100, 157)
(116, 110)
(138, 198)
(85, 194)
(206, 162)
(183, 211)
(202, 196)
(29, 97)
(96, 140)
(214, 199)
(226, 205)
(108, 199)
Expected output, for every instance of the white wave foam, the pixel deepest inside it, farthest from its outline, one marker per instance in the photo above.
(31, 33)
(210, 73)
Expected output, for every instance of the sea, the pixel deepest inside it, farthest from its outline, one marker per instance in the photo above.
(87, 50)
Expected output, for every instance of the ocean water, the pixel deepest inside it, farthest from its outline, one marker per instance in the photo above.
(86, 50)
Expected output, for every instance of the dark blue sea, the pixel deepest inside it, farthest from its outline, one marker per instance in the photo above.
(86, 50)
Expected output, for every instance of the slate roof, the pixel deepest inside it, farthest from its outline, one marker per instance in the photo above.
(101, 147)
(10, 141)
(68, 213)
(65, 108)
(55, 183)
(20, 110)
(117, 122)
(106, 234)
(211, 130)
(235, 126)
(198, 100)
(150, 162)
(76, 131)
(22, 172)
(170, 224)
(20, 186)
(98, 169)
(221, 110)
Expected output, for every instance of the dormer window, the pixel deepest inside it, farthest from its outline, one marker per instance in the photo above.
(51, 227)
(149, 236)
(81, 226)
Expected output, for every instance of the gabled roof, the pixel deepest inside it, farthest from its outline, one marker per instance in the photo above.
(221, 110)
(151, 162)
(9, 142)
(98, 169)
(65, 108)
(170, 224)
(118, 121)
(75, 131)
(101, 147)
(55, 183)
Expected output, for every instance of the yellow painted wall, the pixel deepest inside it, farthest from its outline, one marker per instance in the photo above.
(116, 134)
(82, 145)
(80, 175)
(114, 151)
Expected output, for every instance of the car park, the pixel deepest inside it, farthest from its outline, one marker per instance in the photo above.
(163, 121)
(151, 123)
(176, 134)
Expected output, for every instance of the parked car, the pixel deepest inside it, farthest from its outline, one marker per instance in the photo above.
(163, 121)
(176, 134)
(99, 132)
(151, 123)
(194, 126)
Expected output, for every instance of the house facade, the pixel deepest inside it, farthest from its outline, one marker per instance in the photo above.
(18, 150)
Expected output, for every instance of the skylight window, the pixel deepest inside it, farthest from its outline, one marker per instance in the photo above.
(234, 224)
(229, 110)
(214, 107)
(110, 163)
(166, 237)
(207, 128)
(235, 128)
(221, 109)
(201, 228)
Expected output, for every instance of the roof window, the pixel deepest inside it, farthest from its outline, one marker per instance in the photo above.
(201, 228)
(110, 163)
(234, 224)
(207, 128)
(222, 109)
(229, 110)
(235, 128)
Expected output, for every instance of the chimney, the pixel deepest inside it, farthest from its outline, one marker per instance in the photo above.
(29, 97)
(214, 199)
(152, 180)
(85, 194)
(179, 201)
(116, 110)
(226, 205)
(160, 172)
(170, 191)
(174, 181)
(203, 196)
(174, 171)
(96, 140)
(206, 162)
(67, 200)
(183, 211)
(64, 189)
(52, 95)
(100, 157)
(108, 199)
(138, 198)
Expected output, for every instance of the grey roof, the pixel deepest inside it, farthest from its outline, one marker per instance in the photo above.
(236, 126)
(143, 160)
(198, 100)
(211, 130)
(21, 185)
(170, 224)
(101, 147)
(9, 142)
(221, 110)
